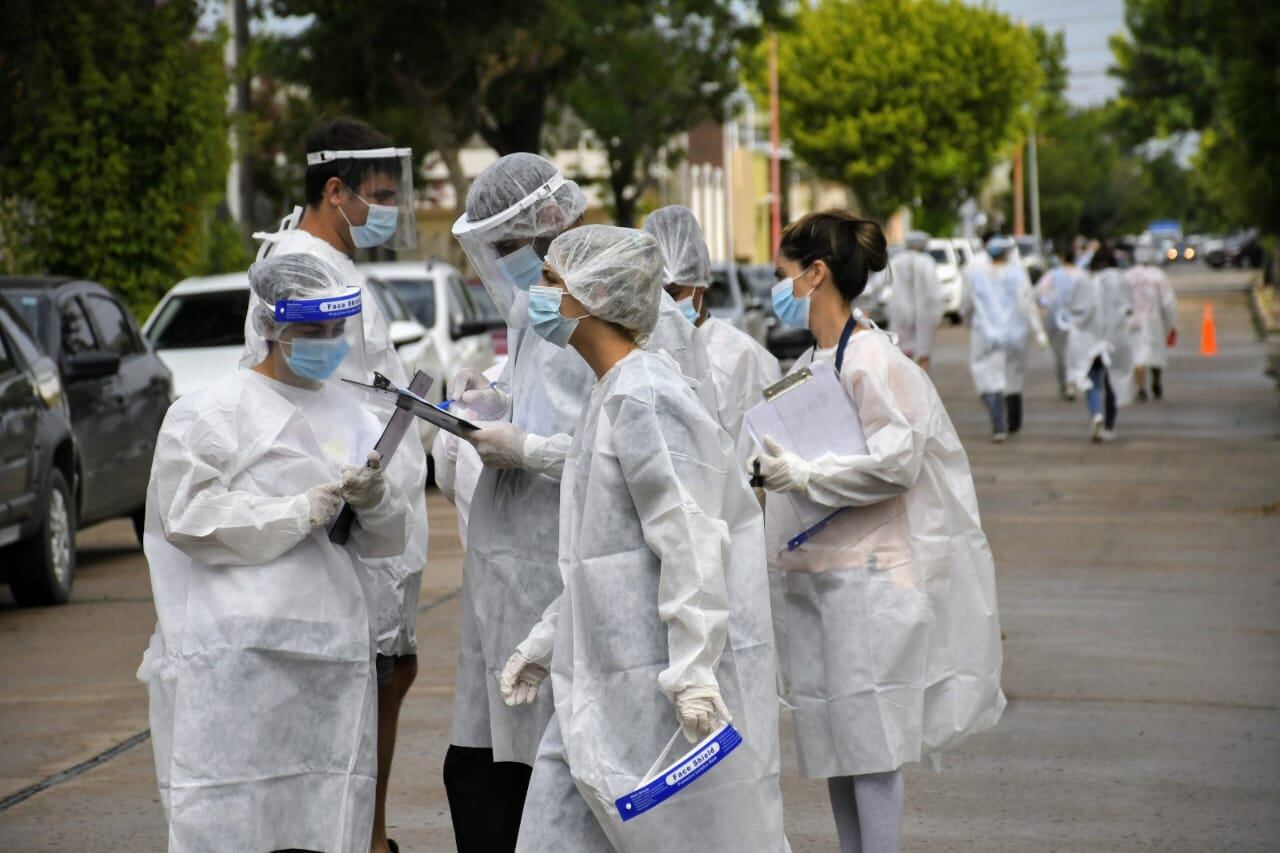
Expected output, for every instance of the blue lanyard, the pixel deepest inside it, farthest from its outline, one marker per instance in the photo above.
(844, 342)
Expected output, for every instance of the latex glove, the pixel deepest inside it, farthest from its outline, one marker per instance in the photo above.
(364, 486)
(500, 444)
(783, 471)
(520, 679)
(323, 503)
(471, 389)
(700, 710)
(1172, 340)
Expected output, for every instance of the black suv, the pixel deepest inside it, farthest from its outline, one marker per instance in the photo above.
(37, 470)
(117, 388)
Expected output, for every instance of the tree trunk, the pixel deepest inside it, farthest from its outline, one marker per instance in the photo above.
(622, 170)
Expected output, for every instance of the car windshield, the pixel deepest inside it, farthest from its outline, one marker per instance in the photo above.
(191, 320)
(484, 302)
(940, 255)
(419, 296)
(33, 306)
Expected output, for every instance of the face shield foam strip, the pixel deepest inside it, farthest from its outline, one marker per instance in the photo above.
(315, 158)
(464, 226)
(346, 304)
(689, 769)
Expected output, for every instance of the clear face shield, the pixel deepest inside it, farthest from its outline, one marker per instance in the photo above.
(318, 340)
(507, 249)
(378, 200)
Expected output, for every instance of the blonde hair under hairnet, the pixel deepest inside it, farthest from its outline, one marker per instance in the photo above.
(290, 276)
(685, 258)
(616, 273)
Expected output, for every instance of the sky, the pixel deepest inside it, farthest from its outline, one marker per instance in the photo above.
(1088, 24)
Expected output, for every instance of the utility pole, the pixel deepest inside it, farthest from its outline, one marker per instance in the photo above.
(775, 150)
(1019, 226)
(240, 172)
(1034, 177)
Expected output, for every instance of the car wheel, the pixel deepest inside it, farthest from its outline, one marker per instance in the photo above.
(46, 563)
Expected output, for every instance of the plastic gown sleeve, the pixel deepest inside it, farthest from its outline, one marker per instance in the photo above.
(691, 545)
(546, 454)
(205, 519)
(541, 642)
(382, 530)
(895, 447)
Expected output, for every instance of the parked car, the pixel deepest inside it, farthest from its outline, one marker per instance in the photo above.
(459, 328)
(37, 470)
(197, 329)
(489, 310)
(733, 296)
(412, 341)
(1243, 250)
(1033, 257)
(944, 254)
(964, 252)
(117, 389)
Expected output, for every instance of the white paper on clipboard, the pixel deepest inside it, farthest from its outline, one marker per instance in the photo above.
(810, 415)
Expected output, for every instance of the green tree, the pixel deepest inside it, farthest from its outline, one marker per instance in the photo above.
(903, 100)
(115, 142)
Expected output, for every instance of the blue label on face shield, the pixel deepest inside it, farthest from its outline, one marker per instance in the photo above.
(345, 304)
(680, 775)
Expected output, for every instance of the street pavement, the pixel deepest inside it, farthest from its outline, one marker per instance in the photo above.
(1139, 586)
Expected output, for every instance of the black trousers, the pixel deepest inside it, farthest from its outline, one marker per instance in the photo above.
(486, 799)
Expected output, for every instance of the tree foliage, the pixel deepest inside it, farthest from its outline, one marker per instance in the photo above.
(115, 142)
(902, 100)
(1209, 66)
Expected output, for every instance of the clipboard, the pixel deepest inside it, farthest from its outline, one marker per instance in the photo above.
(802, 412)
(340, 528)
(408, 400)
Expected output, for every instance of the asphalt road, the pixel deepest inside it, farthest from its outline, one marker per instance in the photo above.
(1139, 588)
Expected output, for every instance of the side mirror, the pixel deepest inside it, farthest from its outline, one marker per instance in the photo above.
(93, 364)
(405, 333)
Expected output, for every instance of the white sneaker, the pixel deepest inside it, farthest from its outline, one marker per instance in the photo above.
(999, 438)
(1107, 435)
(1096, 429)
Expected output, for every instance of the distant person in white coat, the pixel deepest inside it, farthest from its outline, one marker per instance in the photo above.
(915, 303)
(1154, 326)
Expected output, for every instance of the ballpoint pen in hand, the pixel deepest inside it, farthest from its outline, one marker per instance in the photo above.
(445, 404)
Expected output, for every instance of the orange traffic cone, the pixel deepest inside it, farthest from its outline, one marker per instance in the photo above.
(1208, 336)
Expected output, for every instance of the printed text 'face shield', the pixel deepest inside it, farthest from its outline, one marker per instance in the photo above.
(322, 339)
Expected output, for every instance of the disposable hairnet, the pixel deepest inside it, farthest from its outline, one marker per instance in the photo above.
(293, 276)
(917, 240)
(685, 258)
(616, 273)
(511, 181)
(998, 247)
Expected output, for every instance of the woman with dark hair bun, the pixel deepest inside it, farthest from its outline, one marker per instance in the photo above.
(886, 617)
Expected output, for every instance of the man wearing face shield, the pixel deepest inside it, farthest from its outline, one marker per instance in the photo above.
(510, 573)
(261, 669)
(359, 192)
(740, 367)
(663, 627)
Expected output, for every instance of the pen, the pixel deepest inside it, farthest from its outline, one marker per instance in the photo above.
(445, 404)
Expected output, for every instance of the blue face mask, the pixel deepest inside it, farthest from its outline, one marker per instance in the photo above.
(378, 227)
(686, 308)
(523, 266)
(791, 310)
(545, 317)
(316, 358)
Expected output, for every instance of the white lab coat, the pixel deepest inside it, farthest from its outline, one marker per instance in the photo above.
(740, 371)
(915, 304)
(1002, 311)
(661, 549)
(1100, 311)
(399, 578)
(886, 620)
(458, 466)
(1053, 292)
(260, 671)
(1155, 315)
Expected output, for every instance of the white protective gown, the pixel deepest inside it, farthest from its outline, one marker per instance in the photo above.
(665, 587)
(678, 338)
(1100, 310)
(1003, 313)
(458, 466)
(510, 572)
(1053, 292)
(260, 672)
(886, 620)
(1155, 315)
(740, 370)
(399, 578)
(915, 304)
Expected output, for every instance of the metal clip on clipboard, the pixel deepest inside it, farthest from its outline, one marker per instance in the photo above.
(811, 414)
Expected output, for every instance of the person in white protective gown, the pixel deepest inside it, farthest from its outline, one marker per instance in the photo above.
(1001, 308)
(261, 670)
(1053, 292)
(510, 571)
(1154, 326)
(886, 619)
(458, 465)
(1099, 344)
(663, 626)
(740, 368)
(915, 303)
(359, 192)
